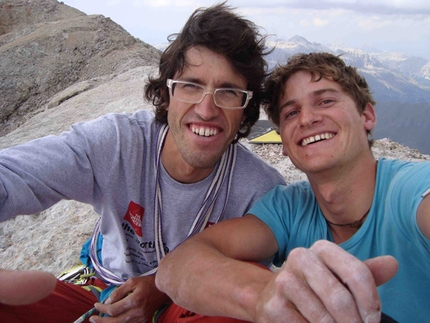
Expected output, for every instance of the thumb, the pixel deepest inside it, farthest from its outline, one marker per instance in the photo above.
(383, 268)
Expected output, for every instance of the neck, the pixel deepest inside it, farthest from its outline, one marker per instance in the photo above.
(345, 200)
(344, 231)
(177, 167)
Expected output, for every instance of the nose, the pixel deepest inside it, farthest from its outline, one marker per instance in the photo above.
(206, 108)
(308, 116)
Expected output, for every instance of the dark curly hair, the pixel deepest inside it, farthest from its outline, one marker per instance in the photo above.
(320, 65)
(222, 31)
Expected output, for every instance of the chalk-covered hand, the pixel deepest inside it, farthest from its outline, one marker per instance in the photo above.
(324, 283)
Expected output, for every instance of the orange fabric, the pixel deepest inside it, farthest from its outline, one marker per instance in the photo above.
(66, 304)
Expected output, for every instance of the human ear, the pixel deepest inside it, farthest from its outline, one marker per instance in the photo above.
(369, 115)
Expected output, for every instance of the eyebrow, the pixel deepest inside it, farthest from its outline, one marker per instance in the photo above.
(314, 94)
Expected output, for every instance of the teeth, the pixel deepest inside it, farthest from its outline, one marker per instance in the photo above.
(319, 137)
(204, 131)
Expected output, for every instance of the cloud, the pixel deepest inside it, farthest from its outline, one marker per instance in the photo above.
(382, 7)
(318, 22)
(388, 24)
(169, 3)
(373, 23)
(304, 23)
(113, 2)
(146, 3)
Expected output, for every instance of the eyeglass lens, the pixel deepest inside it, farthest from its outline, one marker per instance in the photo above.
(194, 93)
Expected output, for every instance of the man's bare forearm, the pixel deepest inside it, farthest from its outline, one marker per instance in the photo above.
(230, 284)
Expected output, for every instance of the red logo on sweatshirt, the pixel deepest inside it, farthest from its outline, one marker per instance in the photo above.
(134, 216)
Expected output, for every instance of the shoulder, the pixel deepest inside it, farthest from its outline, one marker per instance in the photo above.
(287, 197)
(141, 118)
(290, 211)
(408, 186)
(256, 168)
(396, 167)
(120, 130)
(116, 123)
(404, 177)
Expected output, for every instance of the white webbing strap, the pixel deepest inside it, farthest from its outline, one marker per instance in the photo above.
(225, 170)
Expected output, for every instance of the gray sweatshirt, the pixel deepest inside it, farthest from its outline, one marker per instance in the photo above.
(109, 163)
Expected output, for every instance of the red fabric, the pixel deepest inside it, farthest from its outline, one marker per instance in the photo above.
(66, 304)
(176, 314)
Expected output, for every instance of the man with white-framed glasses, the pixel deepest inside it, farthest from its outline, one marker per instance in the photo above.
(155, 180)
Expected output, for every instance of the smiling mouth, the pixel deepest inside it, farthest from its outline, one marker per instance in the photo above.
(316, 138)
(204, 131)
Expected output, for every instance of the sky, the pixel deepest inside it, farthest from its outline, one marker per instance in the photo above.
(383, 25)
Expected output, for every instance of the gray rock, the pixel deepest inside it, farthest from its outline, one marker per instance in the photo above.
(46, 47)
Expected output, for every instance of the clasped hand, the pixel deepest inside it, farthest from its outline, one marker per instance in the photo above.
(324, 283)
(133, 302)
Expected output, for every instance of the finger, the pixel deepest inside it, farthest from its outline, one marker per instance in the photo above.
(120, 292)
(330, 300)
(131, 316)
(99, 319)
(359, 289)
(126, 304)
(303, 304)
(277, 309)
(114, 309)
(114, 304)
(383, 268)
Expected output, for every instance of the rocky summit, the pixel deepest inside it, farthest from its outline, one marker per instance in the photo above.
(50, 52)
(59, 66)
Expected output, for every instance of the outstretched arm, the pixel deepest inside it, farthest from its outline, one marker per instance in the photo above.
(322, 283)
(203, 271)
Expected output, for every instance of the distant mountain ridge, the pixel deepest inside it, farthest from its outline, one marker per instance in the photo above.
(400, 85)
(392, 76)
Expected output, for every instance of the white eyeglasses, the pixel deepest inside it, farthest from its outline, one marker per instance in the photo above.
(226, 98)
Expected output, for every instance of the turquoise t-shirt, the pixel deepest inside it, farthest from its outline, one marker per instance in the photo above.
(295, 218)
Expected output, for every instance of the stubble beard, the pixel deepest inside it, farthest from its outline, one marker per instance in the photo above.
(201, 160)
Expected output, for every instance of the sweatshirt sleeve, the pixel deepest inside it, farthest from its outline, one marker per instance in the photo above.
(40, 173)
(36, 175)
